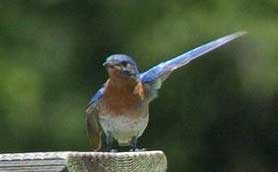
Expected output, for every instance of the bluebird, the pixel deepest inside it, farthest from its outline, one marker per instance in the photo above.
(119, 111)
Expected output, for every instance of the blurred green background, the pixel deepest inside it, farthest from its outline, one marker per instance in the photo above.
(217, 114)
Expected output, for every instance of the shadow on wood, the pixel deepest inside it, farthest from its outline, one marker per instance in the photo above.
(148, 161)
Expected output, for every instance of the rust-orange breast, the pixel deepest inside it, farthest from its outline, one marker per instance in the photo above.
(125, 97)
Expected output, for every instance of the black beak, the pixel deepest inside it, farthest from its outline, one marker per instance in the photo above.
(107, 64)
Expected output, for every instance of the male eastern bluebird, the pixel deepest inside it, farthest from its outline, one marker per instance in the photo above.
(119, 111)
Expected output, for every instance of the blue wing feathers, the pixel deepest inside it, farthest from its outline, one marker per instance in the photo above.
(96, 97)
(161, 71)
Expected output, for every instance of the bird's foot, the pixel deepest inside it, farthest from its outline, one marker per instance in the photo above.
(137, 150)
(113, 150)
(143, 149)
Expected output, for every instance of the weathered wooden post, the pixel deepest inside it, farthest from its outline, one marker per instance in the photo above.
(147, 161)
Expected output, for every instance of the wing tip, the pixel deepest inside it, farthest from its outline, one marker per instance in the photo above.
(239, 33)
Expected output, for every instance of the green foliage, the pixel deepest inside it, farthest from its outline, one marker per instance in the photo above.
(216, 114)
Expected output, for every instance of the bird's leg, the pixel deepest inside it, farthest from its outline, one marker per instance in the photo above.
(134, 145)
(134, 142)
(109, 142)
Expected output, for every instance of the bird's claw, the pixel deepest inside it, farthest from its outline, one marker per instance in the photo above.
(137, 150)
(113, 150)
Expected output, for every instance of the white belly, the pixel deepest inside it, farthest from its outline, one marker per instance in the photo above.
(123, 128)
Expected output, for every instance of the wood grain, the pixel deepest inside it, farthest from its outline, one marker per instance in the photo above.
(148, 161)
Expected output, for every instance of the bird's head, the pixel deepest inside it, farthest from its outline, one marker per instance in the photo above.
(122, 65)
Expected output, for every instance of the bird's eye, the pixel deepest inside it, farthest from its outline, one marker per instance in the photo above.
(124, 63)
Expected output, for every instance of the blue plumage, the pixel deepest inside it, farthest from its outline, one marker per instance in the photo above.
(96, 97)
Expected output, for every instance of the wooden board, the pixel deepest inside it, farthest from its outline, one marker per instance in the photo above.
(147, 161)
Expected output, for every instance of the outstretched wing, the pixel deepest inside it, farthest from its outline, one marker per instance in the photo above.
(157, 74)
(93, 128)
